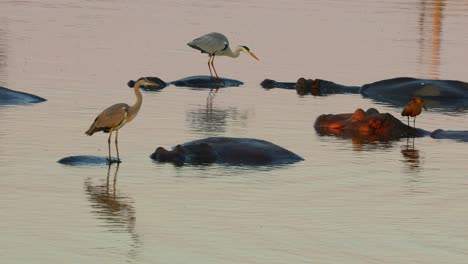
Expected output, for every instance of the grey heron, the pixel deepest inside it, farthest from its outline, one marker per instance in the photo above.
(116, 116)
(216, 44)
(413, 109)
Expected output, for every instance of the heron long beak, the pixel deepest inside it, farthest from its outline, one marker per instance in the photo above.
(149, 83)
(253, 55)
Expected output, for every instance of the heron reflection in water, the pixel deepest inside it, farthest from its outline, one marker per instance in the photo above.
(114, 208)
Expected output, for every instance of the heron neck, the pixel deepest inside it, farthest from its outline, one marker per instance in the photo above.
(139, 98)
(233, 54)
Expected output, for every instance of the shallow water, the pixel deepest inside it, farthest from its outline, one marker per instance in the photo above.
(346, 203)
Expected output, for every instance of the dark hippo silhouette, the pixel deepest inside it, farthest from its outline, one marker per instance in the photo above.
(12, 97)
(372, 126)
(458, 135)
(438, 94)
(270, 84)
(193, 82)
(83, 160)
(226, 150)
(309, 86)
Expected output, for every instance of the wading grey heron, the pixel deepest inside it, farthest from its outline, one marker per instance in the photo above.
(216, 44)
(413, 109)
(116, 116)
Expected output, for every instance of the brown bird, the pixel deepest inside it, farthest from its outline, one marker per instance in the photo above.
(413, 109)
(116, 116)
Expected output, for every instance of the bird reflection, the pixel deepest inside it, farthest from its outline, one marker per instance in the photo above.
(411, 155)
(210, 119)
(114, 208)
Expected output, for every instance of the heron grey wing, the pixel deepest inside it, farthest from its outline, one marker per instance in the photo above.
(112, 116)
(210, 43)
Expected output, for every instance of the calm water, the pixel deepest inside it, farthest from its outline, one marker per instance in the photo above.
(346, 203)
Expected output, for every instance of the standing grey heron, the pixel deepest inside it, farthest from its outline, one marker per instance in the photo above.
(413, 108)
(116, 116)
(216, 44)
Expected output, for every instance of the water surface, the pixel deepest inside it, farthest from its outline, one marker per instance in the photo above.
(388, 202)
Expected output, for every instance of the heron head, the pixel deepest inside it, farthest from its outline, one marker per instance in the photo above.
(131, 83)
(148, 83)
(246, 50)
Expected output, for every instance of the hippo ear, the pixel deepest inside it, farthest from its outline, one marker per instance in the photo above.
(358, 115)
(372, 111)
(179, 150)
(160, 150)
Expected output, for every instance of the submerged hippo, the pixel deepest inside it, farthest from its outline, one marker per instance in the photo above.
(311, 86)
(12, 97)
(86, 160)
(226, 150)
(457, 135)
(442, 94)
(193, 82)
(374, 126)
(436, 93)
(370, 125)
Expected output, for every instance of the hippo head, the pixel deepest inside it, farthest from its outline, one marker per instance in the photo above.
(176, 156)
(157, 84)
(268, 83)
(199, 153)
(370, 125)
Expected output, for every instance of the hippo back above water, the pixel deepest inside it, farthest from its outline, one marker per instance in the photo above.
(194, 82)
(226, 150)
(206, 82)
(399, 91)
(12, 97)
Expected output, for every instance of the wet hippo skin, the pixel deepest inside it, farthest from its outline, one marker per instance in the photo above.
(12, 97)
(195, 82)
(225, 150)
(371, 124)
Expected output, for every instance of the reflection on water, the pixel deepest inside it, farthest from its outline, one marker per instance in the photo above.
(366, 145)
(430, 23)
(3, 56)
(211, 120)
(346, 192)
(114, 208)
(411, 155)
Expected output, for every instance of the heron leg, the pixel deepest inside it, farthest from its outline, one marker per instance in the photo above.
(408, 120)
(117, 145)
(212, 65)
(414, 122)
(108, 144)
(209, 66)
